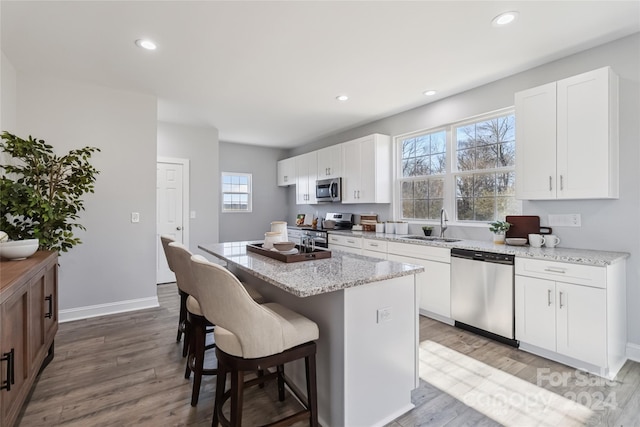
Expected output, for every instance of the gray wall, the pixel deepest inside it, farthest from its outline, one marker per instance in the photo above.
(606, 224)
(201, 147)
(270, 202)
(116, 263)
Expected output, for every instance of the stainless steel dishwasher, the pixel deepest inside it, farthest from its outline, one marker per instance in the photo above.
(482, 293)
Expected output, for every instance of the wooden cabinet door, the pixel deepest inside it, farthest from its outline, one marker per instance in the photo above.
(36, 318)
(536, 143)
(587, 150)
(535, 309)
(50, 315)
(14, 338)
(582, 323)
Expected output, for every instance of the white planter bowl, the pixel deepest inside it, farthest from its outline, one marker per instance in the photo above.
(18, 249)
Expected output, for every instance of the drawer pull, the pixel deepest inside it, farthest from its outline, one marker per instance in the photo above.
(351, 241)
(550, 187)
(555, 270)
(8, 357)
(49, 313)
(373, 244)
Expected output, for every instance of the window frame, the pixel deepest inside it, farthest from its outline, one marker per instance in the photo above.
(249, 193)
(451, 172)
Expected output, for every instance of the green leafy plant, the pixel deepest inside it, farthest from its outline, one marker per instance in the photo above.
(499, 226)
(427, 227)
(41, 193)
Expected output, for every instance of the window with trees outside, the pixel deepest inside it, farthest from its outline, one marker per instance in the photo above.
(236, 192)
(467, 167)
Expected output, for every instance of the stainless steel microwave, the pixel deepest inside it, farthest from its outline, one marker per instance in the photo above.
(329, 190)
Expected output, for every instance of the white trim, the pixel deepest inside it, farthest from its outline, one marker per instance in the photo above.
(186, 218)
(107, 309)
(633, 352)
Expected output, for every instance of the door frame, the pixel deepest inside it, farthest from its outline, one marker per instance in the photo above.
(185, 197)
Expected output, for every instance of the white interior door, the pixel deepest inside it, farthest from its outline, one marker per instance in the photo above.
(170, 211)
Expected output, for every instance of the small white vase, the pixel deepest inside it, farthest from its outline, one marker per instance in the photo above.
(498, 238)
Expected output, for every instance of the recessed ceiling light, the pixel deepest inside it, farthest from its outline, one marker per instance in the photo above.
(429, 92)
(146, 44)
(342, 97)
(504, 19)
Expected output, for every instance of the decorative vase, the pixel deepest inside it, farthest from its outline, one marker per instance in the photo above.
(498, 238)
(427, 232)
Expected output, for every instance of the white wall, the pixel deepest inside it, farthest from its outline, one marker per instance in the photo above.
(199, 145)
(8, 91)
(114, 268)
(606, 224)
(269, 201)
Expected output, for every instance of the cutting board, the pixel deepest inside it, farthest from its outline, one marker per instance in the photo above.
(523, 225)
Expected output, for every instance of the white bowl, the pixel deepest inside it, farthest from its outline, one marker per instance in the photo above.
(516, 241)
(18, 249)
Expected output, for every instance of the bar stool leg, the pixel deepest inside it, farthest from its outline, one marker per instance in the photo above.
(237, 391)
(198, 330)
(221, 381)
(312, 398)
(183, 316)
(280, 369)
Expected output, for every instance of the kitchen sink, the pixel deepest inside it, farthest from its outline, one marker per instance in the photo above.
(432, 239)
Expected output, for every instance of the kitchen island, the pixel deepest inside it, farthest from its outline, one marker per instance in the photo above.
(366, 310)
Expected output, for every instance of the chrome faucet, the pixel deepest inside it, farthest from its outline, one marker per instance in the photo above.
(443, 221)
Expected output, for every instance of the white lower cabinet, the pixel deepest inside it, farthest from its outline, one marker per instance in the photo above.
(571, 313)
(434, 284)
(346, 243)
(374, 248)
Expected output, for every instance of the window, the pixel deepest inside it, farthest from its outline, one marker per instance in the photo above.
(236, 192)
(485, 169)
(468, 168)
(423, 171)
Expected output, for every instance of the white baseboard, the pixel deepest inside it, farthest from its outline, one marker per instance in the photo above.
(633, 352)
(106, 309)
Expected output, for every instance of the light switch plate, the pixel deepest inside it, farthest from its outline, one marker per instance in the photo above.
(135, 217)
(384, 314)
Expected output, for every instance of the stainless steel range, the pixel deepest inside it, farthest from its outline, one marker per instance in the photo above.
(337, 220)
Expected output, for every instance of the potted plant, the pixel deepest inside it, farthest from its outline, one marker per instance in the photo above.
(499, 228)
(41, 193)
(427, 229)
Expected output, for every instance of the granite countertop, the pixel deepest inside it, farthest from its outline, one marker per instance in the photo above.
(306, 278)
(575, 256)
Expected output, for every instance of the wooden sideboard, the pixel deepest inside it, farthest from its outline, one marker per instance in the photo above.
(28, 324)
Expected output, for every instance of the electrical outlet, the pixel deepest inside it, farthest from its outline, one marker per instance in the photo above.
(566, 220)
(135, 217)
(384, 314)
(192, 215)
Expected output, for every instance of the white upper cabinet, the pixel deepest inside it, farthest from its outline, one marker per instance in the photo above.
(366, 175)
(567, 138)
(306, 176)
(330, 162)
(286, 172)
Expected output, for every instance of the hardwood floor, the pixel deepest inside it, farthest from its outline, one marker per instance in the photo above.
(127, 369)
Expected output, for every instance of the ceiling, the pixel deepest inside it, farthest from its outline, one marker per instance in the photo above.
(268, 73)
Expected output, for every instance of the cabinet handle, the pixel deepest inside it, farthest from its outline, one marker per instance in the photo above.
(286, 178)
(358, 194)
(351, 241)
(555, 270)
(561, 183)
(550, 187)
(354, 194)
(49, 313)
(328, 171)
(373, 244)
(561, 300)
(548, 297)
(8, 357)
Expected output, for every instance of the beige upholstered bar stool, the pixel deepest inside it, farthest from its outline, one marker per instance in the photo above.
(197, 326)
(183, 297)
(251, 337)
